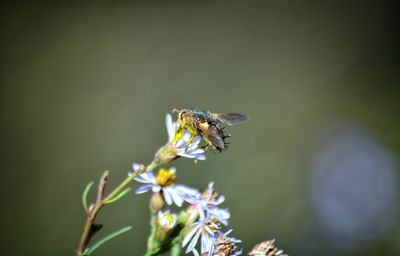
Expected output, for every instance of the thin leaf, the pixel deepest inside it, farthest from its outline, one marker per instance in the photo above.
(117, 197)
(85, 193)
(107, 238)
(85, 252)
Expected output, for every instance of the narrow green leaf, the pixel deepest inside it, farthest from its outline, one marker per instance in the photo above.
(85, 252)
(117, 197)
(107, 238)
(85, 193)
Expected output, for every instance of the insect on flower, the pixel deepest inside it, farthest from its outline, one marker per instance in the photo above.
(210, 126)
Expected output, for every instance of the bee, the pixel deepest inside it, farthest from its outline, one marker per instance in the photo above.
(210, 126)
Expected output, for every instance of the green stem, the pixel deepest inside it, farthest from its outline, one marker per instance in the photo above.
(152, 244)
(93, 210)
(176, 249)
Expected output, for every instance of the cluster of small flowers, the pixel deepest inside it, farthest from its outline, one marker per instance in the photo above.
(206, 217)
(203, 208)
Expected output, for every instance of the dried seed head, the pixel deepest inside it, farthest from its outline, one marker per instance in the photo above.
(214, 226)
(210, 193)
(266, 248)
(226, 246)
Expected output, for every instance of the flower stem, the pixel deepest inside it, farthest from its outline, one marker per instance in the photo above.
(176, 249)
(90, 227)
(152, 244)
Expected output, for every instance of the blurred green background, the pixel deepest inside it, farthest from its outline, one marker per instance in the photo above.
(85, 87)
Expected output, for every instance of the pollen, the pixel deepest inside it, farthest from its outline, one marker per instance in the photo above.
(166, 177)
(181, 131)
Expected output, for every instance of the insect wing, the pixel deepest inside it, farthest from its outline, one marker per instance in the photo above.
(213, 135)
(230, 118)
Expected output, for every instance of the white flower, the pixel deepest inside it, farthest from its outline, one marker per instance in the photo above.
(166, 220)
(206, 230)
(187, 146)
(164, 182)
(207, 203)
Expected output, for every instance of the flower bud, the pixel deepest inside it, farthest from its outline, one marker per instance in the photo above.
(156, 202)
(165, 154)
(165, 223)
(188, 216)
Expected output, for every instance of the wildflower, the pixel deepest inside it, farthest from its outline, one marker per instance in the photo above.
(208, 203)
(266, 248)
(206, 230)
(166, 220)
(181, 143)
(164, 183)
(225, 246)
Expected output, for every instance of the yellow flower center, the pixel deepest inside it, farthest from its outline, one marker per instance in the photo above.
(165, 177)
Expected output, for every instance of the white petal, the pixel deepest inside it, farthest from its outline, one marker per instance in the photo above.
(219, 200)
(146, 178)
(201, 213)
(190, 235)
(206, 243)
(192, 147)
(228, 232)
(186, 155)
(196, 140)
(136, 166)
(183, 142)
(143, 179)
(195, 151)
(180, 143)
(151, 176)
(186, 136)
(193, 243)
(170, 127)
(143, 189)
(156, 188)
(185, 190)
(176, 197)
(201, 157)
(167, 196)
(220, 213)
